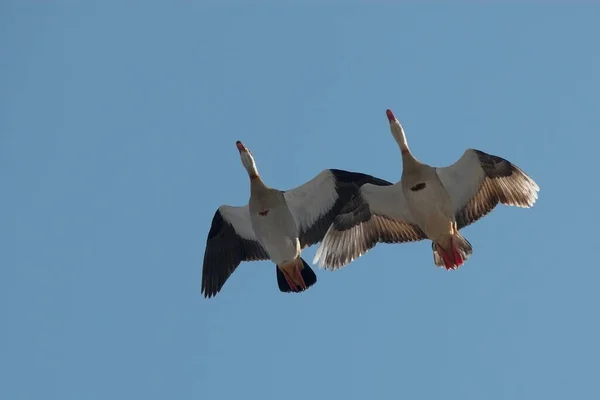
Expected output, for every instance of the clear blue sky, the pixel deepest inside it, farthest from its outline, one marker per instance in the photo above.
(117, 143)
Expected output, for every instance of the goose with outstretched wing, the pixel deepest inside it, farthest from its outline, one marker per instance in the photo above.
(276, 225)
(427, 203)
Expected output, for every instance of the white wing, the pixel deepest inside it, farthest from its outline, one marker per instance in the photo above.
(478, 181)
(310, 203)
(378, 214)
(230, 241)
(239, 218)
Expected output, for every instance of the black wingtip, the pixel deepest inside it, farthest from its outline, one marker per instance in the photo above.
(207, 290)
(309, 276)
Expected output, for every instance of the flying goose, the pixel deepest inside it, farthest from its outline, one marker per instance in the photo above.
(276, 225)
(427, 203)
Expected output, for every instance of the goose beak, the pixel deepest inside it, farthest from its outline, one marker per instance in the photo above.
(240, 146)
(390, 115)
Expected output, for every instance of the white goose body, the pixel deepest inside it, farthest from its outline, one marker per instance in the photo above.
(276, 225)
(428, 203)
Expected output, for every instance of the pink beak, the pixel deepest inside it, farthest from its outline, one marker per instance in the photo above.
(390, 115)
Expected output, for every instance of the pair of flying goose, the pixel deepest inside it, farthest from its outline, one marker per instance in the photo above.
(350, 212)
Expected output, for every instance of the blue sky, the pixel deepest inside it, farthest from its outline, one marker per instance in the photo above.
(117, 143)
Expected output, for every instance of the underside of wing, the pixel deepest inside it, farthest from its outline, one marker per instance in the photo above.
(230, 241)
(478, 182)
(377, 214)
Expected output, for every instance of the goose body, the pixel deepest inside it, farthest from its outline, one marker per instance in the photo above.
(427, 203)
(276, 225)
(427, 200)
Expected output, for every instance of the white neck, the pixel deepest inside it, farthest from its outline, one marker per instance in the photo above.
(398, 133)
(249, 164)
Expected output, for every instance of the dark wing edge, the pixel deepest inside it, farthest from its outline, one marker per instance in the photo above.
(348, 184)
(503, 183)
(225, 250)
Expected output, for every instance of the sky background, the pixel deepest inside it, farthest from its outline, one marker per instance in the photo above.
(118, 124)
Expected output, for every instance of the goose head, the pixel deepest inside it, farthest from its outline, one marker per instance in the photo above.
(247, 160)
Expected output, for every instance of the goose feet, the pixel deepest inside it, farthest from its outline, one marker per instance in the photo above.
(293, 276)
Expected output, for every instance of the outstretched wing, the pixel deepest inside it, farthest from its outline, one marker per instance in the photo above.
(231, 240)
(478, 182)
